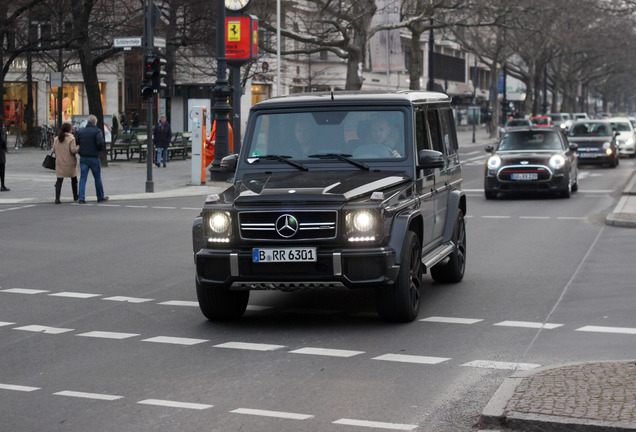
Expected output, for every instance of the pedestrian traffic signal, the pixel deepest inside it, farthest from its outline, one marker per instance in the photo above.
(154, 73)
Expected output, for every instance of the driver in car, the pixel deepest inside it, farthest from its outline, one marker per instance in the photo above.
(382, 132)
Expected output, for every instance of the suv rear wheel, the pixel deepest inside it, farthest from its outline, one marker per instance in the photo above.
(400, 302)
(453, 270)
(221, 304)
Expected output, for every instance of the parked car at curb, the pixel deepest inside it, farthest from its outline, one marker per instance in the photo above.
(625, 136)
(531, 160)
(347, 210)
(596, 142)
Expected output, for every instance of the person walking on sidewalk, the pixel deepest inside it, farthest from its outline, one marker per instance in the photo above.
(3, 154)
(65, 162)
(162, 137)
(91, 142)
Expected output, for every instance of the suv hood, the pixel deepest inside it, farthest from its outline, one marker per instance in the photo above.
(329, 186)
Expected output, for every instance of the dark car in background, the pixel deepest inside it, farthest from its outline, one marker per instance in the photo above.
(535, 159)
(513, 124)
(596, 142)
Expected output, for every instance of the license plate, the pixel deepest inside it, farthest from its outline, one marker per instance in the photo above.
(587, 155)
(524, 176)
(284, 254)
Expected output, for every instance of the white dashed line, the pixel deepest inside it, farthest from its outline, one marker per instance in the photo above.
(18, 387)
(374, 424)
(98, 396)
(174, 404)
(24, 291)
(249, 346)
(128, 299)
(411, 359)
(108, 335)
(496, 217)
(175, 340)
(451, 320)
(601, 329)
(258, 308)
(327, 352)
(136, 207)
(179, 303)
(43, 329)
(164, 208)
(487, 364)
(74, 295)
(4, 323)
(535, 217)
(527, 324)
(277, 414)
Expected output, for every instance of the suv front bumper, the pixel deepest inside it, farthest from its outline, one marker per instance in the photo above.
(342, 268)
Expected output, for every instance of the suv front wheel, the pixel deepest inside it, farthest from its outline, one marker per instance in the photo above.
(222, 304)
(400, 302)
(452, 270)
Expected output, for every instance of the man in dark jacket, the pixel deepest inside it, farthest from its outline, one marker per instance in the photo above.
(91, 141)
(163, 135)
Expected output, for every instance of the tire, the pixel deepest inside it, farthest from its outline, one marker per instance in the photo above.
(400, 302)
(566, 192)
(575, 185)
(222, 304)
(613, 163)
(452, 271)
(490, 195)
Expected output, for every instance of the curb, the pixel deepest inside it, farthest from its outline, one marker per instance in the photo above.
(495, 414)
(620, 218)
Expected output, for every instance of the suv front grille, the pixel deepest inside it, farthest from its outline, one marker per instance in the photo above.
(288, 225)
(543, 173)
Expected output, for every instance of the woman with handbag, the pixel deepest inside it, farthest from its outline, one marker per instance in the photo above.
(65, 162)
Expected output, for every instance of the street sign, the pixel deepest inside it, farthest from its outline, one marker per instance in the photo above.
(56, 79)
(127, 42)
(160, 42)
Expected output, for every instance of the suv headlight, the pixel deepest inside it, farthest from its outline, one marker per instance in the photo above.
(362, 225)
(557, 161)
(218, 226)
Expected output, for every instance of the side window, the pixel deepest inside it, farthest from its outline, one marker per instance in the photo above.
(448, 136)
(421, 139)
(433, 126)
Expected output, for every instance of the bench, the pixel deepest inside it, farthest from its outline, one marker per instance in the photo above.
(122, 145)
(180, 145)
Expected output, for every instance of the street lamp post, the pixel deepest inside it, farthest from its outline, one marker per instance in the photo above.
(221, 94)
(431, 52)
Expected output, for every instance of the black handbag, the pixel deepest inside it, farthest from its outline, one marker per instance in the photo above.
(49, 161)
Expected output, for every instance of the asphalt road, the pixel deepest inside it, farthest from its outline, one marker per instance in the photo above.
(100, 331)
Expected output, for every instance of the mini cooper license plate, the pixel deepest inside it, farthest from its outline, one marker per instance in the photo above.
(524, 176)
(284, 254)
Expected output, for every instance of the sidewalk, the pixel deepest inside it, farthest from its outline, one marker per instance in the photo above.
(30, 183)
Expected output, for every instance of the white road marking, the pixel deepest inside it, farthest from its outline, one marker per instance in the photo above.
(411, 359)
(43, 329)
(83, 395)
(74, 295)
(4, 323)
(179, 303)
(570, 218)
(128, 299)
(175, 340)
(277, 414)
(24, 291)
(496, 217)
(18, 387)
(136, 206)
(487, 364)
(528, 324)
(451, 320)
(327, 352)
(602, 329)
(376, 425)
(249, 346)
(17, 208)
(258, 308)
(174, 404)
(108, 335)
(535, 217)
(164, 208)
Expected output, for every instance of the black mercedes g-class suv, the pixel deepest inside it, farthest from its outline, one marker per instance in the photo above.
(338, 190)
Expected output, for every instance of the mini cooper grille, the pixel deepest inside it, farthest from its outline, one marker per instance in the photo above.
(543, 173)
(290, 225)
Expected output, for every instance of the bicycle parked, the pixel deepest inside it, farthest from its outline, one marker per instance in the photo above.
(47, 134)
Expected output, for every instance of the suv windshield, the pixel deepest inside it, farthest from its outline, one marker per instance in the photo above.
(591, 129)
(305, 135)
(531, 141)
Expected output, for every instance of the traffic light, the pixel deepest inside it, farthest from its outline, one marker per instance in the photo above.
(153, 75)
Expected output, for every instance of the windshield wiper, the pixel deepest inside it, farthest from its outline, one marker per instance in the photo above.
(341, 156)
(281, 158)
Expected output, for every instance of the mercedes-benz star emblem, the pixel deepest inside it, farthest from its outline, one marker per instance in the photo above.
(286, 226)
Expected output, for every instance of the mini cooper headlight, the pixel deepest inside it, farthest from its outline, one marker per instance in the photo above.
(219, 222)
(557, 161)
(362, 225)
(494, 162)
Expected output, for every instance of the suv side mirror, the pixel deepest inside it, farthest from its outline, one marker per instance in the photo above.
(228, 163)
(574, 147)
(429, 159)
(489, 148)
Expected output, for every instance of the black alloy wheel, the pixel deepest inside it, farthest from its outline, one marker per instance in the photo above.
(452, 270)
(222, 304)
